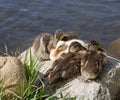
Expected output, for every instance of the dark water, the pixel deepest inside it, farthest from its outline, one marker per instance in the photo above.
(22, 20)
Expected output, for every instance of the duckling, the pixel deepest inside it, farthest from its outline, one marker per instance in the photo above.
(92, 63)
(66, 66)
(94, 45)
(93, 60)
(57, 36)
(63, 47)
(60, 35)
(42, 46)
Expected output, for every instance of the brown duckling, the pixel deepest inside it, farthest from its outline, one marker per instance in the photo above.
(92, 63)
(63, 68)
(60, 35)
(94, 45)
(42, 46)
(93, 60)
(57, 36)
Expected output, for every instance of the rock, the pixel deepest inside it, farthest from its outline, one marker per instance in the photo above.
(26, 55)
(105, 87)
(114, 48)
(12, 74)
(85, 90)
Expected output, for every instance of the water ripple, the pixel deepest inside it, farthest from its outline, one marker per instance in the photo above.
(21, 21)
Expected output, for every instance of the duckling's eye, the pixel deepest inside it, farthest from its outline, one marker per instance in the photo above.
(77, 48)
(62, 47)
(74, 49)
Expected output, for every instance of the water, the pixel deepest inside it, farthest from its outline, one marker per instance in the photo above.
(22, 20)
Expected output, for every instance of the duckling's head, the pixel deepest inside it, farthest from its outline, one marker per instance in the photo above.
(63, 36)
(75, 47)
(60, 48)
(58, 36)
(94, 45)
(69, 36)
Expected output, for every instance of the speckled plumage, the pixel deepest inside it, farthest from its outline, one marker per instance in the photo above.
(79, 60)
(63, 68)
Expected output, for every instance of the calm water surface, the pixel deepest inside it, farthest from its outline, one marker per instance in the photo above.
(22, 20)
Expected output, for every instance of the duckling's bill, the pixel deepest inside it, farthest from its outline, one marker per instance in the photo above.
(56, 52)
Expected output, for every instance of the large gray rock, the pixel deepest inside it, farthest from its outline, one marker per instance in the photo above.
(106, 87)
(12, 74)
